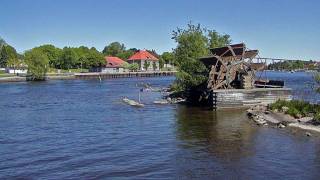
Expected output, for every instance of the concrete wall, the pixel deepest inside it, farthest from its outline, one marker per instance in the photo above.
(240, 98)
(112, 70)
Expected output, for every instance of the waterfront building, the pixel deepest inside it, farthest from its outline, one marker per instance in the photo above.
(113, 65)
(16, 71)
(145, 60)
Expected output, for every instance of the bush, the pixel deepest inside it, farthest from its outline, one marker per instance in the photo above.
(294, 112)
(296, 108)
(278, 104)
(317, 117)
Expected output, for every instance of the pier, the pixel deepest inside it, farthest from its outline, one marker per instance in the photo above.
(123, 75)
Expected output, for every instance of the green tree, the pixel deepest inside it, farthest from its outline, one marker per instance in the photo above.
(7, 52)
(146, 65)
(218, 40)
(69, 58)
(14, 63)
(154, 66)
(132, 67)
(167, 57)
(114, 49)
(53, 53)
(94, 58)
(192, 43)
(38, 64)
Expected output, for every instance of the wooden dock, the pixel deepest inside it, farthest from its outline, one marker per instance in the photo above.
(97, 75)
(242, 98)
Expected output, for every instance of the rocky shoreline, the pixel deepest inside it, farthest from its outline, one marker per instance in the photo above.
(263, 116)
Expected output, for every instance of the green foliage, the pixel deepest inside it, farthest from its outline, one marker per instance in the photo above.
(69, 58)
(38, 64)
(316, 78)
(296, 107)
(218, 40)
(166, 58)
(119, 50)
(132, 67)
(53, 53)
(154, 66)
(317, 117)
(293, 112)
(146, 65)
(114, 49)
(7, 53)
(194, 42)
(292, 65)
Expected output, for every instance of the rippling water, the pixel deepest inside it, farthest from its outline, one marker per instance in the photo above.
(80, 129)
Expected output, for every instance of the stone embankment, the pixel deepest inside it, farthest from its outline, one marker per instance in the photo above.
(262, 116)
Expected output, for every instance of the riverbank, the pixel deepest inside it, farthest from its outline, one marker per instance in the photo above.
(95, 75)
(263, 116)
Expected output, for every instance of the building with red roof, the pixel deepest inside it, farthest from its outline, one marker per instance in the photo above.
(113, 65)
(145, 60)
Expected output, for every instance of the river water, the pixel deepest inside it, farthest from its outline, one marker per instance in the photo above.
(79, 129)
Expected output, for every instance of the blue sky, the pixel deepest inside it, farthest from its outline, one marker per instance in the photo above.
(278, 28)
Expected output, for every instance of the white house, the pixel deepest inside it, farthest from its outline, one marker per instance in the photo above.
(142, 57)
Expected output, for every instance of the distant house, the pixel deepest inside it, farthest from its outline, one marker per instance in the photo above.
(145, 60)
(16, 71)
(113, 65)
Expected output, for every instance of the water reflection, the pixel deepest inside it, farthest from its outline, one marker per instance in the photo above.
(223, 134)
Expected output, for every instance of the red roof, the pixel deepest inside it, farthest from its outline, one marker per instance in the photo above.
(143, 55)
(114, 62)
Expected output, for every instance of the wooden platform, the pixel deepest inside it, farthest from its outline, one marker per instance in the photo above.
(124, 75)
(242, 98)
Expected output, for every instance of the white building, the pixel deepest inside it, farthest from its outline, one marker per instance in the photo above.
(142, 57)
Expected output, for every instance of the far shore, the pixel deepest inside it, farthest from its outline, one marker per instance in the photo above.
(91, 75)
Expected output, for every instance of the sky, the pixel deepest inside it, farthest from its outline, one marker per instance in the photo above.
(278, 28)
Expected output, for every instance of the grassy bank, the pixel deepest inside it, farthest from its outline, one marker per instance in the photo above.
(297, 109)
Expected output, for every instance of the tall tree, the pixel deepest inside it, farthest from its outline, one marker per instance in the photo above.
(52, 52)
(114, 49)
(38, 64)
(168, 57)
(7, 53)
(68, 59)
(192, 43)
(218, 40)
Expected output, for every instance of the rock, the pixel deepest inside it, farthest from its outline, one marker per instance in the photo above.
(281, 126)
(284, 109)
(299, 116)
(275, 110)
(308, 134)
(267, 112)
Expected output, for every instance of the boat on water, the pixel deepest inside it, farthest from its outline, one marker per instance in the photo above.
(132, 102)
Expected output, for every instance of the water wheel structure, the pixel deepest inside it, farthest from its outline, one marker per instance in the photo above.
(231, 67)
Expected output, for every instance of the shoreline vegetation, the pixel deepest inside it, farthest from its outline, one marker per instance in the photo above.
(282, 114)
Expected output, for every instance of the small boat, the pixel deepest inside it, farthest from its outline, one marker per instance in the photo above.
(132, 102)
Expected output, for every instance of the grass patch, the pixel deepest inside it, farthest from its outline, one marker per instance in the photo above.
(297, 108)
(6, 75)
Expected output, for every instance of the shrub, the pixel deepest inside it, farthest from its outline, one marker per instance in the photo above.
(317, 117)
(293, 112)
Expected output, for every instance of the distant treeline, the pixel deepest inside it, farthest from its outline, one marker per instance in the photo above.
(72, 57)
(294, 65)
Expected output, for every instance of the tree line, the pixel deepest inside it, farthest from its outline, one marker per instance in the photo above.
(48, 56)
(293, 65)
